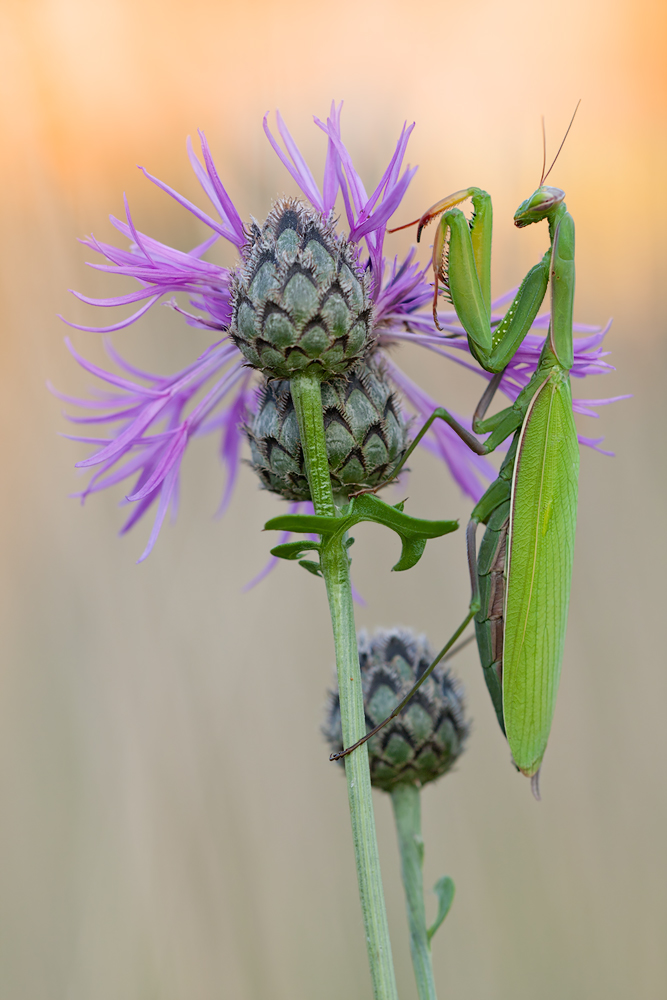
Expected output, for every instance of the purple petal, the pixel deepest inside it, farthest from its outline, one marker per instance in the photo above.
(170, 460)
(346, 167)
(386, 209)
(593, 443)
(108, 376)
(297, 167)
(168, 488)
(221, 199)
(231, 446)
(223, 230)
(115, 326)
(331, 183)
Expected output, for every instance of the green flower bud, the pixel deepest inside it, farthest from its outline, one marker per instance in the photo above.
(300, 302)
(366, 434)
(424, 741)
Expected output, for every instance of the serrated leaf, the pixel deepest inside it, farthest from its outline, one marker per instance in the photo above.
(444, 889)
(414, 532)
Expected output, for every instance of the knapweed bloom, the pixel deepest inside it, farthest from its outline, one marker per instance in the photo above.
(358, 303)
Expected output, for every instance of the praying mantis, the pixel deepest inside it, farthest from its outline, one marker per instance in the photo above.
(521, 578)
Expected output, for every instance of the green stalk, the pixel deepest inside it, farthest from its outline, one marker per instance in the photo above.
(407, 812)
(335, 563)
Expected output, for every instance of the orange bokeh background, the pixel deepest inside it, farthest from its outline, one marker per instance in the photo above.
(171, 826)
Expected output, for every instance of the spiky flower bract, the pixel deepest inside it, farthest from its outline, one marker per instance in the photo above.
(426, 738)
(142, 423)
(300, 301)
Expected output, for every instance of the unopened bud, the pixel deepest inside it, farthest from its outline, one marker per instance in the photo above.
(365, 433)
(424, 741)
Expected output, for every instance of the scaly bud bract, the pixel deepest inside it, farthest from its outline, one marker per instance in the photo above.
(365, 432)
(425, 740)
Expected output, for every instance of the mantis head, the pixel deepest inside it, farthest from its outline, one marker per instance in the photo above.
(539, 206)
(546, 199)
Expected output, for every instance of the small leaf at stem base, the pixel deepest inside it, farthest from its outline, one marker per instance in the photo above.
(444, 890)
(311, 566)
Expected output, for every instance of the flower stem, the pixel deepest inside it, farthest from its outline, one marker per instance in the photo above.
(335, 563)
(407, 813)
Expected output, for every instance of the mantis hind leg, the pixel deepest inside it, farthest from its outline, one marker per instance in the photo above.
(493, 510)
(489, 620)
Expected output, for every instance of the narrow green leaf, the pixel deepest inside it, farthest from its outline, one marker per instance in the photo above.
(309, 524)
(293, 550)
(444, 890)
(312, 567)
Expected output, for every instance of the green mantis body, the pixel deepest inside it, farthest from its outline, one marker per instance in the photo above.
(523, 574)
(524, 567)
(521, 580)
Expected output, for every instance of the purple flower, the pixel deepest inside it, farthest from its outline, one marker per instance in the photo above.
(147, 420)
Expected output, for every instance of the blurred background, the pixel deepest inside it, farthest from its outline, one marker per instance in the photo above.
(171, 827)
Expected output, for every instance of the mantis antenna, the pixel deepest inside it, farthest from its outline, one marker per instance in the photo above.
(544, 144)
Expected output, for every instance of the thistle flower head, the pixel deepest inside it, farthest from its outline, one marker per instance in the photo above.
(300, 302)
(425, 740)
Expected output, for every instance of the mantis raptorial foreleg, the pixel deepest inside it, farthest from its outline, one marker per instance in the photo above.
(462, 263)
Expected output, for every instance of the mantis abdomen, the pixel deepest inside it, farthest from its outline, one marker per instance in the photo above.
(539, 568)
(524, 568)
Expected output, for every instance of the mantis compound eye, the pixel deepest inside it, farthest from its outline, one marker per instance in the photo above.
(538, 206)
